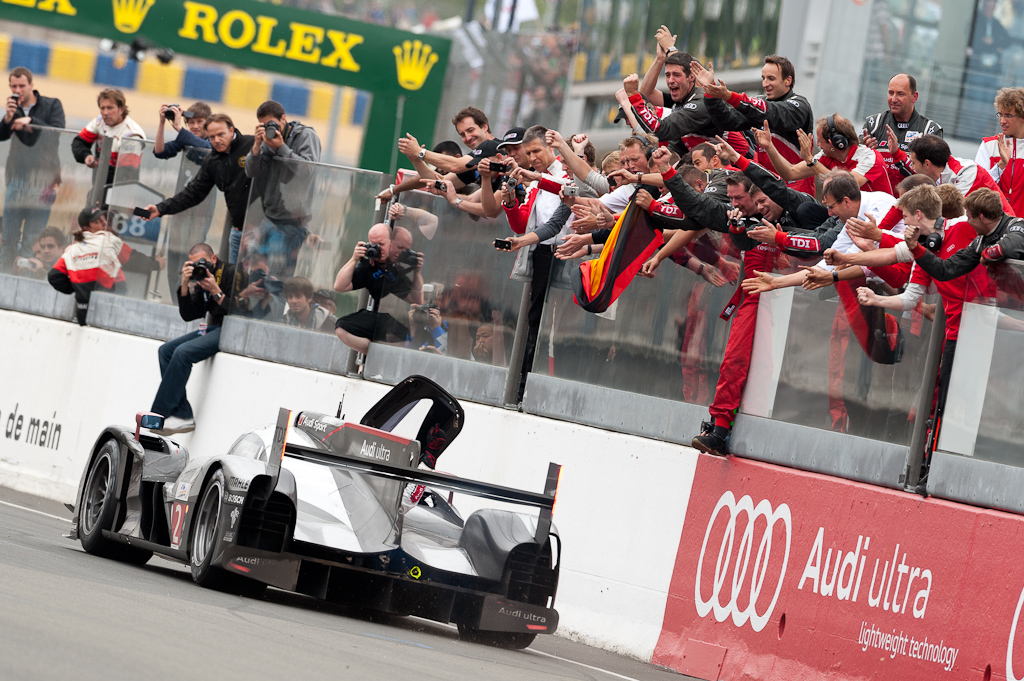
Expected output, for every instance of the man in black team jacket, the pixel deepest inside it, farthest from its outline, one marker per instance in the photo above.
(1000, 237)
(223, 169)
(903, 118)
(205, 290)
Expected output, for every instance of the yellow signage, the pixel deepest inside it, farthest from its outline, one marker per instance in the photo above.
(129, 14)
(58, 6)
(414, 61)
(240, 30)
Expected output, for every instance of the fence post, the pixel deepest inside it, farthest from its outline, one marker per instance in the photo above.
(915, 455)
(99, 184)
(515, 361)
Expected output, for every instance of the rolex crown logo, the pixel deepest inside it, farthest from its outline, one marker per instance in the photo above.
(414, 61)
(129, 14)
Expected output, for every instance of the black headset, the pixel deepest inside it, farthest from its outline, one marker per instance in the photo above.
(837, 138)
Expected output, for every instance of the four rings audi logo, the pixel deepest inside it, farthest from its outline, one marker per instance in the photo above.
(746, 580)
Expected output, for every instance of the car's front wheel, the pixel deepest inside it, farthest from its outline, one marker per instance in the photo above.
(203, 541)
(98, 508)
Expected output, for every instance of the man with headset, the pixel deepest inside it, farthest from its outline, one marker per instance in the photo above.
(839, 151)
(282, 181)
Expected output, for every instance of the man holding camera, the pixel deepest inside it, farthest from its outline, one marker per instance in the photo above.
(383, 265)
(33, 168)
(222, 169)
(190, 125)
(204, 291)
(283, 187)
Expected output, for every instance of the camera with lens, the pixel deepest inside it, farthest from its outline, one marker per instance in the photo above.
(933, 242)
(373, 251)
(570, 190)
(201, 269)
(409, 257)
(169, 112)
(501, 168)
(421, 313)
(741, 224)
(516, 189)
(271, 129)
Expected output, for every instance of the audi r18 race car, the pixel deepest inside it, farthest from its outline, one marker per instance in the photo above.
(335, 510)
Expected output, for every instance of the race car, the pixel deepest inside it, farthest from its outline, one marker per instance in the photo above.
(335, 510)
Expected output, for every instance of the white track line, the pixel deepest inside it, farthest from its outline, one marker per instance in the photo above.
(596, 669)
(32, 510)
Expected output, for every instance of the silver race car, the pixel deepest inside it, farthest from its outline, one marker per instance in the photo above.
(335, 510)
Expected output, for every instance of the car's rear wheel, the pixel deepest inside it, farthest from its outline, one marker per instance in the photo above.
(99, 508)
(203, 542)
(499, 639)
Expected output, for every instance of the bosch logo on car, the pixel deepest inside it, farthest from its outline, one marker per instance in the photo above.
(235, 499)
(739, 586)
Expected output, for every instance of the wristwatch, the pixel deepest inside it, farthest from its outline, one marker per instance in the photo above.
(458, 200)
(670, 50)
(422, 153)
(812, 162)
(217, 297)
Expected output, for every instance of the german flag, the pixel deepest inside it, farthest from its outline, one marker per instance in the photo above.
(598, 283)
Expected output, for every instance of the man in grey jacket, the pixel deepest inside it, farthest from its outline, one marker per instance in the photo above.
(280, 165)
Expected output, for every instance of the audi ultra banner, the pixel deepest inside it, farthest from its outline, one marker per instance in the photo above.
(788, 575)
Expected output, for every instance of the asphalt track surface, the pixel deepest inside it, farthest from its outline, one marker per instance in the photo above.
(67, 615)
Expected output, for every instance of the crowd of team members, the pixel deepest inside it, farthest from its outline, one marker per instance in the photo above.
(721, 173)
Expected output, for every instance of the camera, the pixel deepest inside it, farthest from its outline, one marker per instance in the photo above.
(373, 251)
(421, 313)
(23, 263)
(16, 97)
(409, 257)
(501, 168)
(169, 113)
(201, 269)
(570, 190)
(271, 129)
(933, 242)
(440, 186)
(740, 225)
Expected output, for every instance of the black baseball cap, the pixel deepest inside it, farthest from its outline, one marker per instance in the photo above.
(485, 149)
(88, 215)
(513, 136)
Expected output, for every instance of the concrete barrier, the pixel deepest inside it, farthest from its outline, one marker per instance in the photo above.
(620, 509)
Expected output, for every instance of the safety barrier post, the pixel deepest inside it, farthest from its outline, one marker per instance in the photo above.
(915, 455)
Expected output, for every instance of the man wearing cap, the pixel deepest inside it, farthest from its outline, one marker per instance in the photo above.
(204, 293)
(96, 257)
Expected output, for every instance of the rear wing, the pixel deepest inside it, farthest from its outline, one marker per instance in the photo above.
(544, 501)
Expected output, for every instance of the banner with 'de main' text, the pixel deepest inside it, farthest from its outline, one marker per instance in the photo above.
(788, 575)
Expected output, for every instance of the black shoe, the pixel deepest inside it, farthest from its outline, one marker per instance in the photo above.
(712, 443)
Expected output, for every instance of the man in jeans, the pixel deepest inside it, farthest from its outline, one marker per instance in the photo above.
(33, 167)
(198, 296)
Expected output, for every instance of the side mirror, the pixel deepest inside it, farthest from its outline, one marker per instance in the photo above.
(149, 421)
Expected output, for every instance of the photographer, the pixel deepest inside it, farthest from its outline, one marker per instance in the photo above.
(33, 166)
(263, 297)
(284, 188)
(221, 169)
(192, 135)
(206, 283)
(375, 265)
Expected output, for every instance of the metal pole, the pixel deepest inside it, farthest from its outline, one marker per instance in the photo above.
(515, 362)
(915, 455)
(332, 131)
(99, 181)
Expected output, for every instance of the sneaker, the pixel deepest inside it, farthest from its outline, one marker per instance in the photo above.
(173, 424)
(712, 443)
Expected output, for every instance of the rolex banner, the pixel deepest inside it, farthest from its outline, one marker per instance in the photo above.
(598, 283)
(260, 35)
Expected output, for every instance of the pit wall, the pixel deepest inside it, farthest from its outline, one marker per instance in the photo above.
(720, 569)
(619, 509)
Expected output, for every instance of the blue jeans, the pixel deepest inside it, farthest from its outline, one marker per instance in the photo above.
(234, 243)
(176, 359)
(280, 242)
(28, 205)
